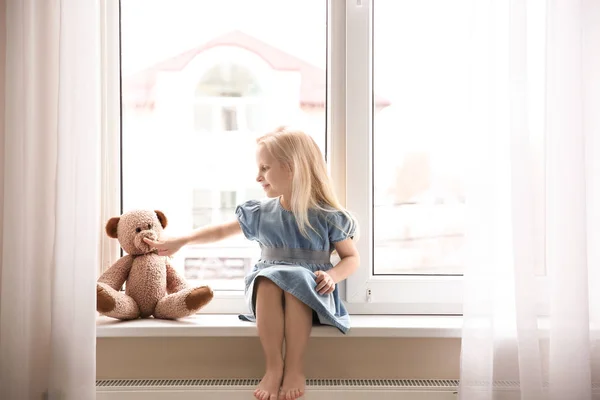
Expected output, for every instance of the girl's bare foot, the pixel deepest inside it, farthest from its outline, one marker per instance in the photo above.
(268, 388)
(293, 385)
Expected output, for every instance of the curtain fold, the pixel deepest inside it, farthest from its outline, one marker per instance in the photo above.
(533, 194)
(51, 214)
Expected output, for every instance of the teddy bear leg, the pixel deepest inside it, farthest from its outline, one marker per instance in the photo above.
(184, 303)
(115, 304)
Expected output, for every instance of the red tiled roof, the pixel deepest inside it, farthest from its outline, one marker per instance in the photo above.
(138, 89)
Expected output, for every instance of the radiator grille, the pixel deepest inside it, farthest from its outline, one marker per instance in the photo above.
(323, 384)
(195, 383)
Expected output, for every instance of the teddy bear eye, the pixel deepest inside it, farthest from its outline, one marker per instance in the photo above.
(138, 230)
(149, 226)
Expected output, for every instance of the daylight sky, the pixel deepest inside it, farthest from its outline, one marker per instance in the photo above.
(412, 39)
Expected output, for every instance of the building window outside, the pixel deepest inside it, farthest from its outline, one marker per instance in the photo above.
(227, 99)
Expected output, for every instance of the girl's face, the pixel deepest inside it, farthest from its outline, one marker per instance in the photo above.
(274, 177)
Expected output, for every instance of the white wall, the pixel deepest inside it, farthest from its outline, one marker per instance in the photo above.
(241, 357)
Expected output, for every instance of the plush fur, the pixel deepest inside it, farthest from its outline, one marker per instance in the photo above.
(152, 286)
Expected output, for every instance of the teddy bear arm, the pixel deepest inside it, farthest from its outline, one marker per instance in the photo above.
(175, 281)
(117, 274)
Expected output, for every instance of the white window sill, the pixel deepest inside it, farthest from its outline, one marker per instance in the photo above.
(228, 325)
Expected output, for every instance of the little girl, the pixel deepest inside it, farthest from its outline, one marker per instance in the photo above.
(294, 283)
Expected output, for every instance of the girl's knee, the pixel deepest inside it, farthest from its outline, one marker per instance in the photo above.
(265, 285)
(267, 290)
(263, 282)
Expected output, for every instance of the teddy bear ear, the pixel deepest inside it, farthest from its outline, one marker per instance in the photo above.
(111, 227)
(162, 218)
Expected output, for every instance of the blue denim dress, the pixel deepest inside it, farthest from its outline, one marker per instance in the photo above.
(290, 259)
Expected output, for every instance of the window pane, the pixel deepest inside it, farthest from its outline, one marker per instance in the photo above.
(196, 94)
(230, 117)
(203, 117)
(421, 67)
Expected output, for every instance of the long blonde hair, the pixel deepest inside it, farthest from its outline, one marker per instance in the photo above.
(311, 184)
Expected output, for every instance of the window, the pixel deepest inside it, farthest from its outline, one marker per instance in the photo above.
(228, 98)
(418, 161)
(230, 118)
(195, 96)
(364, 78)
(407, 160)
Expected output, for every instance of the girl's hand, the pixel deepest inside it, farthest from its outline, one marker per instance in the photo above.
(166, 247)
(325, 283)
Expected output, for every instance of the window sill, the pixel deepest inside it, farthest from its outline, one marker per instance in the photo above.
(228, 325)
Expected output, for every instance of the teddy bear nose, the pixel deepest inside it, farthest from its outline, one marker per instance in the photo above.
(150, 235)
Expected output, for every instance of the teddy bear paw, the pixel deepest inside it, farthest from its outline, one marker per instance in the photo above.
(104, 301)
(198, 298)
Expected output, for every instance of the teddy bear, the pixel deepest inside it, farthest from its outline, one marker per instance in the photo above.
(152, 286)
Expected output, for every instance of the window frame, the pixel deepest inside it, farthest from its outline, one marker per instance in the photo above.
(111, 178)
(404, 294)
(348, 132)
(376, 294)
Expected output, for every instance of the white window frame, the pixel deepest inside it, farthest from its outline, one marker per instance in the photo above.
(349, 127)
(110, 251)
(346, 64)
(366, 293)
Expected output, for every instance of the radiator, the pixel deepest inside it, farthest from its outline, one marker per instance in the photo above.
(241, 389)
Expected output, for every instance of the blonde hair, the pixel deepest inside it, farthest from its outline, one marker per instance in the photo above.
(311, 184)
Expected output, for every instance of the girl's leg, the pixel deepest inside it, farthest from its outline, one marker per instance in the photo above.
(269, 321)
(298, 324)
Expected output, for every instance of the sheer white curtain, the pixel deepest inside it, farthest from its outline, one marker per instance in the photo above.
(534, 197)
(50, 215)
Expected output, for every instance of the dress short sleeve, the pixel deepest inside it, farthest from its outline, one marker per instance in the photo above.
(341, 227)
(248, 216)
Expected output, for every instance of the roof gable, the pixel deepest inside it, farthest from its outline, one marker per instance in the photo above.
(138, 89)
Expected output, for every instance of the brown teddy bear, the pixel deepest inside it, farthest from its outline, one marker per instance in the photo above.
(153, 286)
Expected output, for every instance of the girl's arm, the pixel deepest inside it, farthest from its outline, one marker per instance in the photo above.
(208, 234)
(212, 233)
(349, 260)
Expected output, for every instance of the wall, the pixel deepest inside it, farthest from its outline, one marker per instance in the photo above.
(235, 357)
